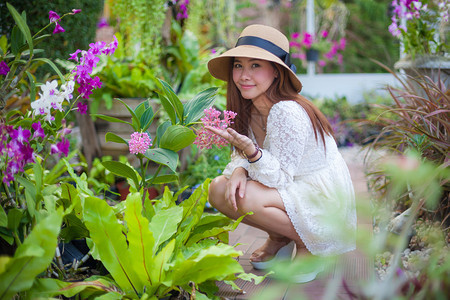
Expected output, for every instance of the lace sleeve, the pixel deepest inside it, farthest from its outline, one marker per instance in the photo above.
(288, 130)
(236, 161)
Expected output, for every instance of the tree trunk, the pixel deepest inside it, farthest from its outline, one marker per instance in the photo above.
(90, 143)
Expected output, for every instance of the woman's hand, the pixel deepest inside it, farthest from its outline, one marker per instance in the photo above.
(236, 185)
(237, 140)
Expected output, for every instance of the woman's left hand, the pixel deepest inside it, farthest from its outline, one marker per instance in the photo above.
(237, 140)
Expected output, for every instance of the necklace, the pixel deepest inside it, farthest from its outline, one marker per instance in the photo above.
(263, 124)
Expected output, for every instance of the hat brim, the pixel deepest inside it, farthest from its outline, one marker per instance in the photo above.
(219, 66)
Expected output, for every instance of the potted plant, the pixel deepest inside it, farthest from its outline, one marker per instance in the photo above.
(423, 33)
(317, 47)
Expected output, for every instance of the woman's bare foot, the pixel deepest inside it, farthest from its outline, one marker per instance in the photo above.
(269, 249)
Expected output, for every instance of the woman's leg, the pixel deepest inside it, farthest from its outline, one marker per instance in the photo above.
(268, 213)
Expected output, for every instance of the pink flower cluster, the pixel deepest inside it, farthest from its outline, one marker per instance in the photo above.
(305, 41)
(139, 143)
(205, 138)
(412, 9)
(87, 62)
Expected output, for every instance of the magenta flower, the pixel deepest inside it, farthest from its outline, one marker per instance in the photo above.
(139, 142)
(4, 69)
(21, 135)
(54, 17)
(61, 147)
(102, 23)
(58, 28)
(75, 11)
(38, 131)
(87, 62)
(205, 138)
(82, 107)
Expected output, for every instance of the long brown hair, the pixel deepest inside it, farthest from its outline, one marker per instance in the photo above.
(281, 89)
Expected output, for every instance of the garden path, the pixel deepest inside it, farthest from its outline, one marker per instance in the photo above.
(356, 267)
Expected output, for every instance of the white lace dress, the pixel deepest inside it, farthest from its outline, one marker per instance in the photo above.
(314, 183)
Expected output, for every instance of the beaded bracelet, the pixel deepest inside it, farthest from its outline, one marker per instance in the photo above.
(254, 154)
(258, 158)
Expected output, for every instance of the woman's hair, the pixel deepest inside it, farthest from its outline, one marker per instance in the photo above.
(281, 89)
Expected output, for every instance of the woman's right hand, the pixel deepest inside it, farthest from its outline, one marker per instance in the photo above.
(236, 186)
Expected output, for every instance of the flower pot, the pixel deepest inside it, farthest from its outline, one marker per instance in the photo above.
(312, 55)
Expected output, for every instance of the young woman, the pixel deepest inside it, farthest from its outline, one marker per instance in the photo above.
(285, 166)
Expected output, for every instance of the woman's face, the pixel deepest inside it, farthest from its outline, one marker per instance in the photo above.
(253, 76)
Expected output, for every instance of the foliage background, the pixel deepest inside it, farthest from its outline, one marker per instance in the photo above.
(80, 28)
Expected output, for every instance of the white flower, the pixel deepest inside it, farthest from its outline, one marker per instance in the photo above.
(52, 98)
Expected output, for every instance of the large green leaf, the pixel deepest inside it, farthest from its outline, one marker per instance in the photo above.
(22, 24)
(54, 67)
(112, 137)
(173, 99)
(215, 231)
(50, 287)
(111, 119)
(111, 245)
(213, 263)
(164, 224)
(136, 121)
(140, 238)
(163, 156)
(163, 179)
(165, 102)
(121, 169)
(176, 138)
(162, 261)
(161, 130)
(193, 109)
(147, 118)
(32, 257)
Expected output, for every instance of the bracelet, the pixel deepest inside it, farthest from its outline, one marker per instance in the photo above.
(254, 154)
(251, 162)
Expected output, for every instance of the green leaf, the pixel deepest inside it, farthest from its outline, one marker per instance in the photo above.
(3, 44)
(32, 86)
(176, 138)
(164, 179)
(163, 156)
(111, 119)
(174, 100)
(214, 263)
(168, 108)
(111, 245)
(17, 40)
(26, 265)
(161, 130)
(193, 109)
(21, 23)
(147, 118)
(54, 67)
(3, 217)
(136, 123)
(50, 287)
(164, 225)
(14, 218)
(162, 261)
(121, 169)
(140, 238)
(73, 229)
(112, 137)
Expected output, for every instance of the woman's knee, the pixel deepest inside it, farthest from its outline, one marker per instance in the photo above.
(217, 190)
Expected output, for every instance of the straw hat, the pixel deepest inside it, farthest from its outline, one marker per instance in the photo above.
(261, 42)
